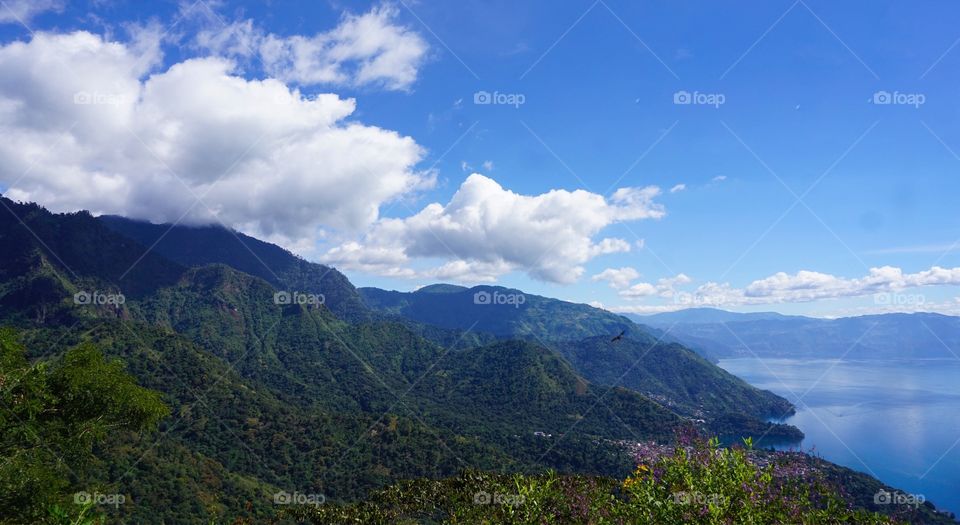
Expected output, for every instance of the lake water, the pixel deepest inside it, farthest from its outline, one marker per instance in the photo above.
(897, 420)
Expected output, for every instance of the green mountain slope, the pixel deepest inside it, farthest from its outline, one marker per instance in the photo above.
(501, 381)
(307, 354)
(271, 396)
(203, 245)
(499, 311)
(441, 313)
(640, 361)
(684, 381)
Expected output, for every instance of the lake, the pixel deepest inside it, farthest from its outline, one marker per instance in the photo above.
(897, 420)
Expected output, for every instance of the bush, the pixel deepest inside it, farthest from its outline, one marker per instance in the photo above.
(696, 481)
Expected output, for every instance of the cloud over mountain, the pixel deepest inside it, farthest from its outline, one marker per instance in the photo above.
(800, 287)
(486, 231)
(96, 124)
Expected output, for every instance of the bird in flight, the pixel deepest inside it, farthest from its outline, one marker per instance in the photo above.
(618, 337)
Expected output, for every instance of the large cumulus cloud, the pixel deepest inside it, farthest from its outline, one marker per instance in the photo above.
(94, 124)
(486, 230)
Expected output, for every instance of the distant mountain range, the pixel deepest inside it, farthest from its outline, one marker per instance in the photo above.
(707, 315)
(721, 334)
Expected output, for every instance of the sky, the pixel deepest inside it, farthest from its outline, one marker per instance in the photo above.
(794, 156)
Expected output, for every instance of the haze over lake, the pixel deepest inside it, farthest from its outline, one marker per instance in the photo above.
(894, 419)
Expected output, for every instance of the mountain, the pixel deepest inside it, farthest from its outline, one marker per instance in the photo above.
(884, 336)
(640, 360)
(681, 380)
(201, 245)
(270, 397)
(308, 354)
(504, 381)
(500, 311)
(704, 315)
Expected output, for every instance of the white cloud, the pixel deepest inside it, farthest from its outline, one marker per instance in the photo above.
(719, 178)
(90, 124)
(807, 286)
(378, 260)
(637, 203)
(468, 271)
(486, 230)
(890, 288)
(644, 309)
(488, 165)
(678, 188)
(366, 49)
(665, 287)
(639, 290)
(22, 11)
(618, 278)
(668, 285)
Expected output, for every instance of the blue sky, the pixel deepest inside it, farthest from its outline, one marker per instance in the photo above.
(798, 167)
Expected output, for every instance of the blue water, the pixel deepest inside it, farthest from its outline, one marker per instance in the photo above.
(896, 420)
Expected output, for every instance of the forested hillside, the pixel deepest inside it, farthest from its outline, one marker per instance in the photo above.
(240, 394)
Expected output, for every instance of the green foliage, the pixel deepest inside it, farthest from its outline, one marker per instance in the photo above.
(673, 375)
(698, 484)
(53, 413)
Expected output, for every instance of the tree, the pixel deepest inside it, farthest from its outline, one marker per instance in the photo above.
(51, 415)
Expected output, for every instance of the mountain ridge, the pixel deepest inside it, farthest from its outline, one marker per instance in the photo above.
(874, 336)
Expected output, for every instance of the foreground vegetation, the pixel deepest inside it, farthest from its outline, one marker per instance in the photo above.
(54, 413)
(60, 411)
(697, 482)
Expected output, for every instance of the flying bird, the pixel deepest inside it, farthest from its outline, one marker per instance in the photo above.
(618, 337)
